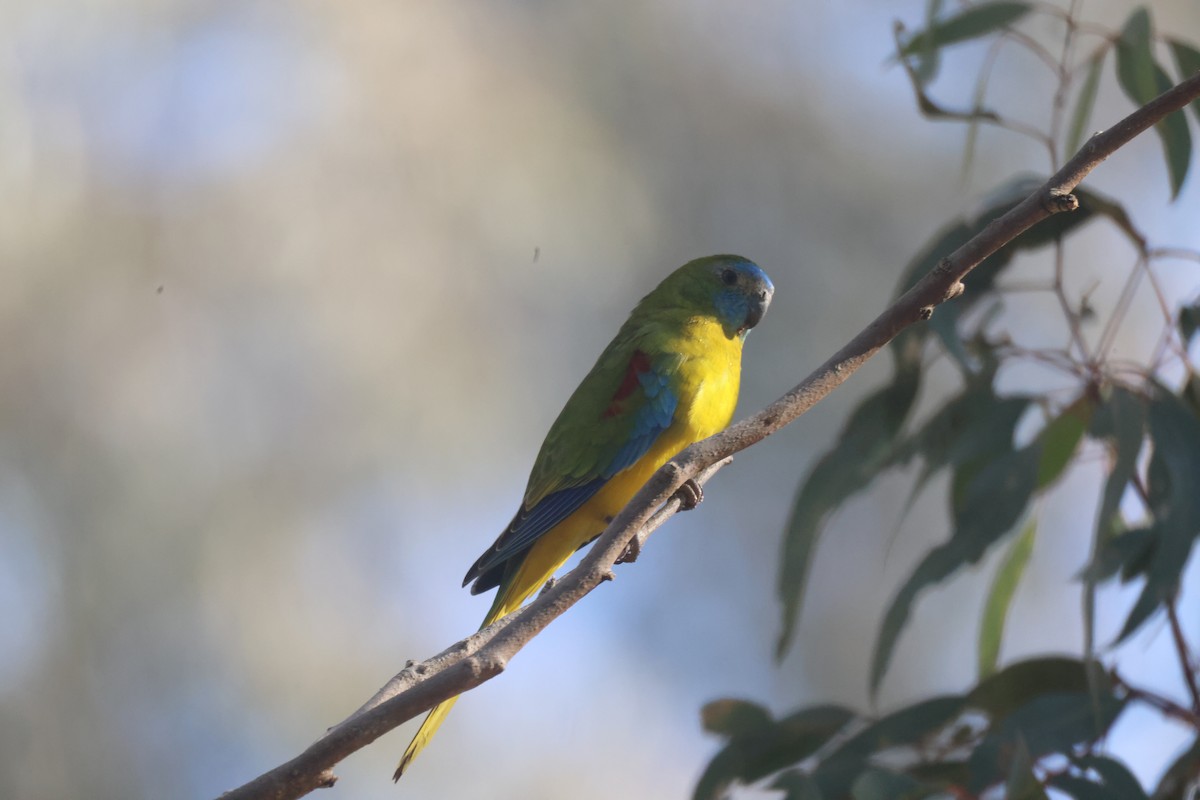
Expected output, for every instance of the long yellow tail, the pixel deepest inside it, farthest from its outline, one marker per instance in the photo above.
(534, 570)
(433, 721)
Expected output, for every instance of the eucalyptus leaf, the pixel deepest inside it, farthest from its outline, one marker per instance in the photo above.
(1083, 789)
(1142, 79)
(734, 717)
(1059, 440)
(755, 751)
(1017, 684)
(861, 452)
(1085, 102)
(970, 23)
(929, 59)
(908, 726)
(1022, 784)
(1000, 596)
(875, 783)
(992, 502)
(1175, 504)
(797, 785)
(1187, 58)
(1115, 775)
(1180, 774)
(1049, 723)
(1189, 322)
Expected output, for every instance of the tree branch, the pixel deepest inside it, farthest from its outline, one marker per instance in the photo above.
(485, 654)
(1185, 655)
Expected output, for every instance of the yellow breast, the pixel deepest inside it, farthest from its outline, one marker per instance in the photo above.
(707, 388)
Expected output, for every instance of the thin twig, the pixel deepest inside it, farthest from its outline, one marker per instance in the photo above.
(1184, 653)
(1065, 79)
(1180, 253)
(1164, 704)
(1069, 313)
(1168, 339)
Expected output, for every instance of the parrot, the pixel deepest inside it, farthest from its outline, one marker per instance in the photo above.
(669, 378)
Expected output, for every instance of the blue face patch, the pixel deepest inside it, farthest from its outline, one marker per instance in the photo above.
(741, 306)
(732, 307)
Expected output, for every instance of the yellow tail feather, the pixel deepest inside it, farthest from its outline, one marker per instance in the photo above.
(533, 571)
(428, 728)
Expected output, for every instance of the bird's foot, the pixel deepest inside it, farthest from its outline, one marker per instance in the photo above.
(689, 494)
(632, 551)
(549, 585)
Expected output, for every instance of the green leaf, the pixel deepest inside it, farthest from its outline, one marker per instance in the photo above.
(1191, 392)
(940, 773)
(1180, 774)
(1083, 789)
(1135, 57)
(972, 425)
(1120, 420)
(1084, 103)
(1019, 683)
(882, 784)
(992, 502)
(1187, 58)
(1176, 139)
(970, 23)
(1049, 723)
(999, 599)
(1115, 775)
(1022, 784)
(1060, 438)
(977, 116)
(796, 785)
(1142, 79)
(967, 426)
(928, 60)
(756, 751)
(731, 717)
(908, 726)
(861, 452)
(1127, 552)
(1189, 322)
(1175, 504)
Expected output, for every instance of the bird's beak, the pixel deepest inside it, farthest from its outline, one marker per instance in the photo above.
(758, 307)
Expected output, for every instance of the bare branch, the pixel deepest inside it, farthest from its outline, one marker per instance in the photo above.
(485, 654)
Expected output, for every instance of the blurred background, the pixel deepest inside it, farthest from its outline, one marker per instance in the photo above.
(292, 291)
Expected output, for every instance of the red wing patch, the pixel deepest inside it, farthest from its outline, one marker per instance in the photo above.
(637, 365)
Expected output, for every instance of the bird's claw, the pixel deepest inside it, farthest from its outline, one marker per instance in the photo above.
(632, 551)
(689, 494)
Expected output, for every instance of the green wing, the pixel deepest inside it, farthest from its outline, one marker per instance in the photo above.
(611, 420)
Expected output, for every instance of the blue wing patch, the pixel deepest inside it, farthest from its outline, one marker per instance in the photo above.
(648, 423)
(527, 526)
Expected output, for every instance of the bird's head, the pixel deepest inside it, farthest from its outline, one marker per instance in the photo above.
(733, 289)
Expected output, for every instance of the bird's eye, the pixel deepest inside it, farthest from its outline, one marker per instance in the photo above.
(728, 277)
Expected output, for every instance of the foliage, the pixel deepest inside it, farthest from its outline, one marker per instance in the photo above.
(1036, 726)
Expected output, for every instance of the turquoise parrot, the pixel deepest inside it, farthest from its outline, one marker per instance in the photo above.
(668, 379)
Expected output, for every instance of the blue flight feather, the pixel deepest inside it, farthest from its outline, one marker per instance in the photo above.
(530, 525)
(649, 421)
